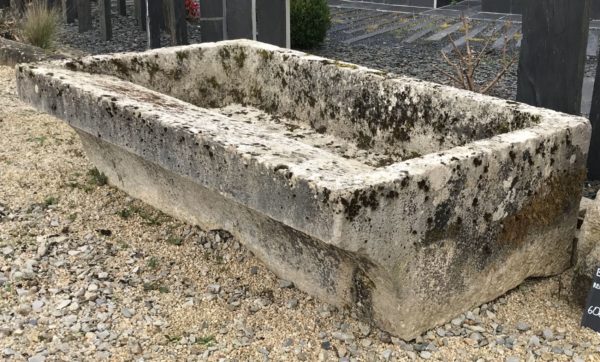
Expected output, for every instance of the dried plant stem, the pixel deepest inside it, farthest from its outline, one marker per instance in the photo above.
(464, 69)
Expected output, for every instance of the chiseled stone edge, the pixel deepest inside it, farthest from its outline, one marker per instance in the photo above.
(13, 53)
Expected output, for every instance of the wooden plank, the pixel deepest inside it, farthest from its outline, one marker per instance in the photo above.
(177, 22)
(153, 21)
(122, 7)
(104, 10)
(69, 10)
(84, 15)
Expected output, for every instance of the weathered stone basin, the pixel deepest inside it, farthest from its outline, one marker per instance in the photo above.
(405, 201)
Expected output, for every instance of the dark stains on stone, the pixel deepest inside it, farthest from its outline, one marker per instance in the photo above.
(556, 198)
(362, 294)
(326, 194)
(363, 141)
(423, 185)
(182, 55)
(210, 152)
(527, 157)
(265, 55)
(360, 199)
(240, 58)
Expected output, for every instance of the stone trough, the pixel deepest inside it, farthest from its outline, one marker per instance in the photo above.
(405, 201)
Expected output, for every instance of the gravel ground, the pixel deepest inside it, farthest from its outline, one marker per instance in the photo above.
(87, 273)
(127, 36)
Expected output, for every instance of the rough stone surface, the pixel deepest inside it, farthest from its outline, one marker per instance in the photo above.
(474, 188)
(588, 252)
(12, 52)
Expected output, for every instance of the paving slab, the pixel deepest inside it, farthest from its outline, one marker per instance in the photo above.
(445, 32)
(460, 42)
(386, 29)
(383, 23)
(362, 20)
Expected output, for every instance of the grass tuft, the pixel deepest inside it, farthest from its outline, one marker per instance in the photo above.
(41, 24)
(50, 200)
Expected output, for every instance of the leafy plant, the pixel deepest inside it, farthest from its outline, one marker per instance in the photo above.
(155, 286)
(173, 240)
(310, 20)
(97, 178)
(206, 341)
(40, 24)
(464, 69)
(152, 263)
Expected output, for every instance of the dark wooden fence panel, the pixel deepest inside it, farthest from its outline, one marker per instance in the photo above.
(105, 19)
(552, 59)
(153, 22)
(212, 20)
(176, 22)
(84, 15)
(69, 10)
(239, 19)
(271, 22)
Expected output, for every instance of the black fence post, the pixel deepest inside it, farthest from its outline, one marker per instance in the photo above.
(153, 22)
(122, 7)
(84, 15)
(69, 10)
(552, 60)
(105, 21)
(593, 161)
(175, 19)
(140, 13)
(19, 6)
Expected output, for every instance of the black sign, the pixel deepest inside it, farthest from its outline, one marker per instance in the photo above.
(591, 314)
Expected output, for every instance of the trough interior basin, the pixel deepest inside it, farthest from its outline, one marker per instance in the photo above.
(353, 112)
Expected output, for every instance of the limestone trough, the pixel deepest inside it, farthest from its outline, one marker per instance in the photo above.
(405, 201)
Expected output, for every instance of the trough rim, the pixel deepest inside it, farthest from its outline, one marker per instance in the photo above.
(550, 122)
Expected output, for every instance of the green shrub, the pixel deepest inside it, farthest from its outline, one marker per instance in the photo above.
(40, 24)
(309, 22)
